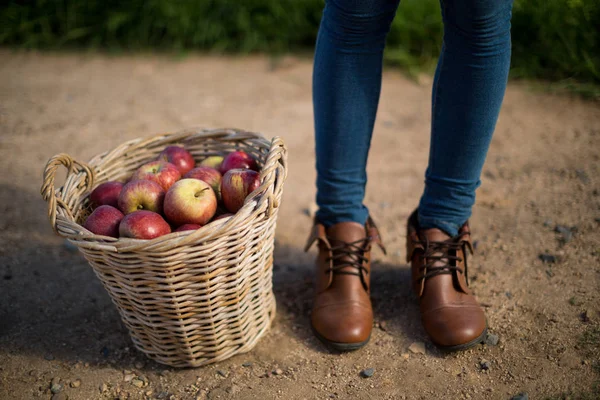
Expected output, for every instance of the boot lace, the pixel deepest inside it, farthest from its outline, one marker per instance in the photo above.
(445, 251)
(348, 254)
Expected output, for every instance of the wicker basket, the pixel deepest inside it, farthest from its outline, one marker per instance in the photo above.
(189, 298)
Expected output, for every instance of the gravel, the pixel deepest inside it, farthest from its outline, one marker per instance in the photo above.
(547, 258)
(491, 339)
(367, 373)
(417, 348)
(484, 365)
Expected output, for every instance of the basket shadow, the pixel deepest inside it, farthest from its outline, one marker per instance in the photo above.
(53, 307)
(395, 308)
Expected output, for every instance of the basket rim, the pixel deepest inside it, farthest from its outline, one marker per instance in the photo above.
(277, 154)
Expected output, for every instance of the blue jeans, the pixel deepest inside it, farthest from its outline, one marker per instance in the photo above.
(468, 90)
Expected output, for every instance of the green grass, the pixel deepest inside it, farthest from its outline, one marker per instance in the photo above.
(554, 41)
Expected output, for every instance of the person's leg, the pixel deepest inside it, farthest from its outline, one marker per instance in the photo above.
(467, 94)
(346, 88)
(468, 90)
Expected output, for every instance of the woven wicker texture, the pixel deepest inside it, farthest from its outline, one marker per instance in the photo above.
(189, 298)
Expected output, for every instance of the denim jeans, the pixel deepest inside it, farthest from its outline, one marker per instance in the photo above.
(468, 90)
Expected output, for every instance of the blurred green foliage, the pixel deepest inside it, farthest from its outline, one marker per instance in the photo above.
(557, 40)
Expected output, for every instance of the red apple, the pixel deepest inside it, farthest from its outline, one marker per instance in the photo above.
(143, 224)
(141, 195)
(236, 185)
(190, 201)
(161, 172)
(104, 221)
(188, 227)
(106, 194)
(213, 162)
(179, 157)
(238, 159)
(208, 175)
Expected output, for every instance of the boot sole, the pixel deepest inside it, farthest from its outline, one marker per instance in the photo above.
(340, 346)
(465, 346)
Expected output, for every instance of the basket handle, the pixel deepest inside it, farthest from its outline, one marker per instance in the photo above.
(48, 190)
(277, 156)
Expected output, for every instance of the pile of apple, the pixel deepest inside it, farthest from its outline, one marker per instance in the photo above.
(171, 194)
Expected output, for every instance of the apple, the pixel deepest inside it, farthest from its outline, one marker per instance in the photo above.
(106, 194)
(161, 172)
(208, 175)
(236, 185)
(188, 227)
(143, 224)
(141, 195)
(238, 159)
(104, 221)
(179, 157)
(190, 201)
(213, 162)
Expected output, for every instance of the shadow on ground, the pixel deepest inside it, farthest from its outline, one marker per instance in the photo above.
(53, 306)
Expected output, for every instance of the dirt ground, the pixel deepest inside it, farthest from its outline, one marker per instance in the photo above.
(543, 170)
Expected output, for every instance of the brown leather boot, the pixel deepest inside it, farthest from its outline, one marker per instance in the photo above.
(342, 316)
(450, 314)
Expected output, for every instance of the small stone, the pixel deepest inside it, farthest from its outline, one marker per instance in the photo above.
(520, 396)
(201, 395)
(383, 325)
(584, 316)
(222, 373)
(128, 377)
(139, 365)
(59, 396)
(417, 348)
(491, 339)
(148, 393)
(367, 373)
(49, 357)
(405, 356)
(278, 371)
(103, 388)
(565, 231)
(56, 388)
(137, 382)
(509, 295)
(582, 176)
(484, 365)
(247, 364)
(76, 383)
(547, 258)
(55, 381)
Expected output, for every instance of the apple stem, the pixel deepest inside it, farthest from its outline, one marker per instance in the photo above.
(140, 207)
(203, 190)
